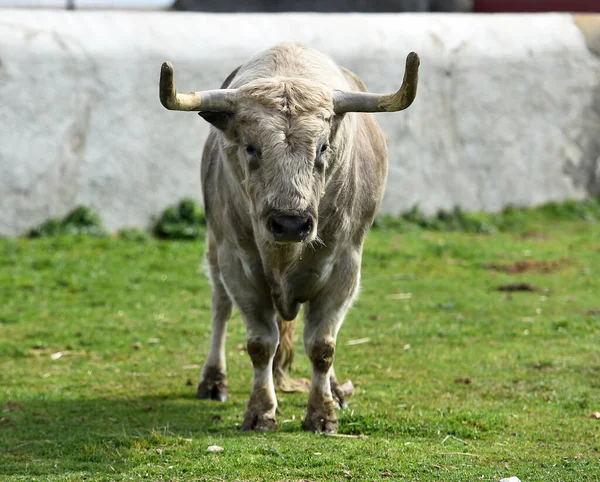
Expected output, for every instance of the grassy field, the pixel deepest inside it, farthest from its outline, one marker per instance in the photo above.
(102, 340)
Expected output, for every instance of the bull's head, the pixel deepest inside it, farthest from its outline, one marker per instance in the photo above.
(282, 134)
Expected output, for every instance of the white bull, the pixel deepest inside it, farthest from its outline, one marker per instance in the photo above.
(292, 176)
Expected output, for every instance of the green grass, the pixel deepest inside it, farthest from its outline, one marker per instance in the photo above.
(458, 381)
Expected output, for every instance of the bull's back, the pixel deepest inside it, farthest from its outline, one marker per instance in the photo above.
(370, 158)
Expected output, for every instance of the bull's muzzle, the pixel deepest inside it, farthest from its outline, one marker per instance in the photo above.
(290, 229)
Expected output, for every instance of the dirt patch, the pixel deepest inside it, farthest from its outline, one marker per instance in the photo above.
(534, 235)
(6, 421)
(512, 287)
(528, 265)
(542, 365)
(464, 380)
(13, 407)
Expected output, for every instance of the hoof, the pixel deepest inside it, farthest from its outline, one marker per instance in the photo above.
(258, 423)
(340, 392)
(213, 386)
(320, 424)
(320, 416)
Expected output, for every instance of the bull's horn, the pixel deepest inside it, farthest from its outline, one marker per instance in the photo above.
(222, 100)
(367, 102)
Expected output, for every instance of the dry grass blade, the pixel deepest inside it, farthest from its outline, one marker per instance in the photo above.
(358, 341)
(346, 435)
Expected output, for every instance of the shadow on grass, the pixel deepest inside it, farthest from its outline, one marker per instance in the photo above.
(39, 436)
(43, 437)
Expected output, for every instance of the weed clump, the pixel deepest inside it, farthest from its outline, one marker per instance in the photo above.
(511, 218)
(82, 220)
(455, 220)
(185, 220)
(134, 234)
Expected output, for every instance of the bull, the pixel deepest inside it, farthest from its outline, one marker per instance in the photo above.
(293, 173)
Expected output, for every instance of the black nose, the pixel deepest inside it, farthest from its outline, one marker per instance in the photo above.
(290, 229)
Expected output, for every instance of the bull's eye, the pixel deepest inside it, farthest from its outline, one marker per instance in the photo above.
(324, 147)
(250, 150)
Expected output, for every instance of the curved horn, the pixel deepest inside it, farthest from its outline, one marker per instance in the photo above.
(367, 102)
(221, 100)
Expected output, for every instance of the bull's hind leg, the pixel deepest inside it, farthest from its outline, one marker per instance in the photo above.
(340, 391)
(283, 360)
(213, 383)
(324, 316)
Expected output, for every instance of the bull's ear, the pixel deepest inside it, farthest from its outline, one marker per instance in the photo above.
(221, 120)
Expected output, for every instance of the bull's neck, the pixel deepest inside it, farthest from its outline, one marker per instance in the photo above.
(280, 262)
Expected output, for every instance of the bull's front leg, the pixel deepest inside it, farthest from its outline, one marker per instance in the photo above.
(324, 317)
(252, 296)
(213, 382)
(262, 336)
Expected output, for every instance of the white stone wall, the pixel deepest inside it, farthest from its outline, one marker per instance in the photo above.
(507, 109)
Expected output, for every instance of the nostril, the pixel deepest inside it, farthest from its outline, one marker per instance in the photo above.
(306, 228)
(275, 227)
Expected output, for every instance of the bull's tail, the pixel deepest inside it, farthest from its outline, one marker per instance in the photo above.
(284, 357)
